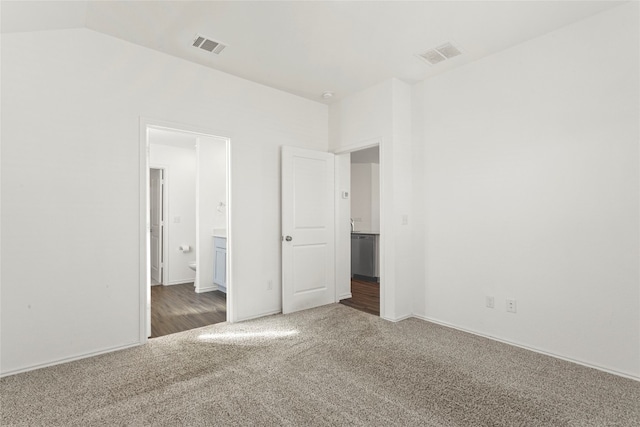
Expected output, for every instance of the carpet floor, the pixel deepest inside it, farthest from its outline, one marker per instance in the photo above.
(331, 365)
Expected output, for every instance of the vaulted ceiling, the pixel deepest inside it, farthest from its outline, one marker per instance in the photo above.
(307, 48)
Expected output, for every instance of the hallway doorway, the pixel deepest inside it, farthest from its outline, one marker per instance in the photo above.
(365, 230)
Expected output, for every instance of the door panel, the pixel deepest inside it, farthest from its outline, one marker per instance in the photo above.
(308, 262)
(310, 273)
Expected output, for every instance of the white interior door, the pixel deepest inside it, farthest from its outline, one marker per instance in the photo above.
(308, 248)
(155, 205)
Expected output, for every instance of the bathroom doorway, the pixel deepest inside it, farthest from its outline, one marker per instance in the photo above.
(187, 199)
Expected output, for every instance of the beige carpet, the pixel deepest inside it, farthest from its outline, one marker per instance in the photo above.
(327, 366)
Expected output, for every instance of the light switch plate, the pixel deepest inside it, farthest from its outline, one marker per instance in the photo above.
(489, 301)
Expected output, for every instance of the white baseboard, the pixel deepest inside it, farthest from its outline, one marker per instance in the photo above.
(68, 359)
(207, 289)
(345, 296)
(399, 319)
(256, 316)
(526, 347)
(180, 282)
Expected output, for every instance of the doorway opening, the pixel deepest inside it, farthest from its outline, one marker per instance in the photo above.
(186, 283)
(365, 230)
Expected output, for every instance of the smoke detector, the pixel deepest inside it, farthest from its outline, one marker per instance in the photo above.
(441, 53)
(205, 43)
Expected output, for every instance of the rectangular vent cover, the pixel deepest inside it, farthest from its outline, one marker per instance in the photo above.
(440, 53)
(207, 44)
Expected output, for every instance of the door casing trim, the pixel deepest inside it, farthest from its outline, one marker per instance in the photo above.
(144, 278)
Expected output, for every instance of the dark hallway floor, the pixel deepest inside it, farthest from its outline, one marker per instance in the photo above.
(365, 296)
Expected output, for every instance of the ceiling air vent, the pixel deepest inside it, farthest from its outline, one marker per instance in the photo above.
(440, 53)
(208, 44)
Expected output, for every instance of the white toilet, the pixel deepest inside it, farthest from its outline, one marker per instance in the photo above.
(192, 265)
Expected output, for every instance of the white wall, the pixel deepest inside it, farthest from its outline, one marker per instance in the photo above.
(211, 189)
(531, 191)
(375, 197)
(382, 114)
(397, 208)
(356, 122)
(180, 181)
(361, 119)
(361, 196)
(365, 196)
(71, 107)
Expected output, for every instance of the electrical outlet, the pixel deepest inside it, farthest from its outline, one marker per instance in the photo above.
(270, 285)
(490, 302)
(511, 305)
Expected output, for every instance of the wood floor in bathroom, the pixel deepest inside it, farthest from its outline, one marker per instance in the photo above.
(178, 308)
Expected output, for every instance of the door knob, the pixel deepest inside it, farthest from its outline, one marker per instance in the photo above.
(288, 238)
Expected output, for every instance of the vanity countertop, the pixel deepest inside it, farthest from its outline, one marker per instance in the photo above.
(220, 232)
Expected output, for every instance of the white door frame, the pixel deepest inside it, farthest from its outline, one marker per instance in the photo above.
(144, 224)
(379, 142)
